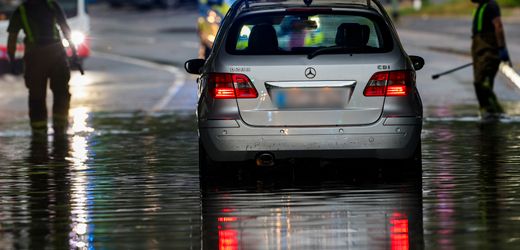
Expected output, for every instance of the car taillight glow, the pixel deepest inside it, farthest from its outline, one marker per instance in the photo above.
(399, 232)
(396, 91)
(227, 239)
(390, 83)
(229, 86)
(227, 219)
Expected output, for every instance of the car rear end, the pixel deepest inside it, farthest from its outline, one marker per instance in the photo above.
(291, 81)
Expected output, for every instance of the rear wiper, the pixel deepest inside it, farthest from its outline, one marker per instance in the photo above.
(327, 50)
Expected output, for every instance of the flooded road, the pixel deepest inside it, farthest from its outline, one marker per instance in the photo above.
(126, 176)
(130, 181)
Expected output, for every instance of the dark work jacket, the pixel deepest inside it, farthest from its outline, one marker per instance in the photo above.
(42, 20)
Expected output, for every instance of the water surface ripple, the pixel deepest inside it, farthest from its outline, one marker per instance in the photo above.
(130, 181)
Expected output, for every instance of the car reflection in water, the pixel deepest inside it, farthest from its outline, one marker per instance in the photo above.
(366, 209)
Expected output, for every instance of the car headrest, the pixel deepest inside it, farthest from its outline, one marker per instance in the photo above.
(352, 35)
(263, 38)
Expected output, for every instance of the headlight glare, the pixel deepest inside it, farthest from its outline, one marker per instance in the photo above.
(77, 38)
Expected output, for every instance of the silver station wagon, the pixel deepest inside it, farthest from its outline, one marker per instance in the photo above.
(296, 79)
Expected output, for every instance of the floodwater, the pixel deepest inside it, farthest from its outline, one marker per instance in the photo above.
(130, 181)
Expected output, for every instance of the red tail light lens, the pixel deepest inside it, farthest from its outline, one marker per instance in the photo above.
(229, 86)
(244, 87)
(390, 83)
(377, 85)
(399, 83)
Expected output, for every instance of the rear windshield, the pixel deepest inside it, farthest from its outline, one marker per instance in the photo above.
(304, 33)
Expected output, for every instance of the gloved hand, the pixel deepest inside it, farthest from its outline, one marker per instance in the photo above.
(503, 54)
(76, 63)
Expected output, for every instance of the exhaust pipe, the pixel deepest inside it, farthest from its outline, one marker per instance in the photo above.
(265, 160)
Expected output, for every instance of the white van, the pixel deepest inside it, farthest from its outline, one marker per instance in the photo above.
(77, 18)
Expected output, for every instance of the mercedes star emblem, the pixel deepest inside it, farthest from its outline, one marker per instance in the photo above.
(310, 73)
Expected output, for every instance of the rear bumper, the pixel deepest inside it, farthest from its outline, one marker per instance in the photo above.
(389, 138)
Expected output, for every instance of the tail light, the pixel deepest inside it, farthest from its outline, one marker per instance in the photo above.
(230, 86)
(390, 83)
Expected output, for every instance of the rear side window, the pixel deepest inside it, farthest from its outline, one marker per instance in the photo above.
(303, 33)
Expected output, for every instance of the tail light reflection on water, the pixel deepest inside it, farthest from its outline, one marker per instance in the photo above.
(399, 237)
(227, 238)
(346, 219)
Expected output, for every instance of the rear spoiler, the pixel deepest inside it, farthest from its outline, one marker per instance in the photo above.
(308, 3)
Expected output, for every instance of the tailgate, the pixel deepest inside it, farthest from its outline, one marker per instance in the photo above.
(333, 97)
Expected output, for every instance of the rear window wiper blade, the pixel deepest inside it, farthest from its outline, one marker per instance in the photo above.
(328, 50)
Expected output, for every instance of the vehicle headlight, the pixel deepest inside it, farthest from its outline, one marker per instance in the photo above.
(76, 37)
(213, 17)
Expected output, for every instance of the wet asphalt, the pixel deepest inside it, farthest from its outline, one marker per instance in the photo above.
(126, 175)
(144, 192)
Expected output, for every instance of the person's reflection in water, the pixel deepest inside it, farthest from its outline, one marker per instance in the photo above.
(489, 155)
(49, 189)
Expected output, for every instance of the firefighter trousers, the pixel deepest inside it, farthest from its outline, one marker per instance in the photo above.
(43, 65)
(485, 67)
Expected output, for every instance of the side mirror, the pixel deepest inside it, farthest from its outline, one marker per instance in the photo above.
(194, 66)
(417, 62)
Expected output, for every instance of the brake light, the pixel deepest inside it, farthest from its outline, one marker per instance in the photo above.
(313, 9)
(390, 83)
(229, 86)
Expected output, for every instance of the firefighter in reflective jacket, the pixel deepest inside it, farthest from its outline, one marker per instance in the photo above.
(45, 60)
(488, 49)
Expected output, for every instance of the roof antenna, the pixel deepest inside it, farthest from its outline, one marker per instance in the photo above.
(307, 2)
